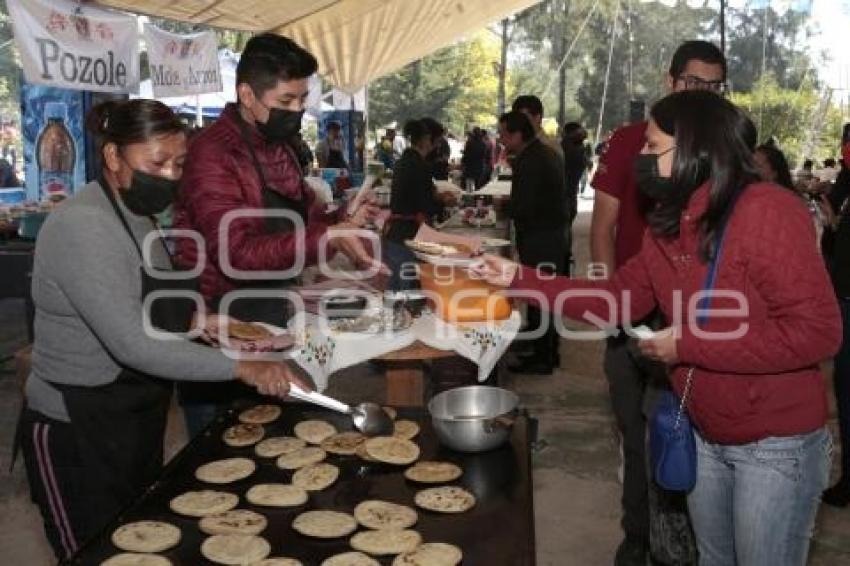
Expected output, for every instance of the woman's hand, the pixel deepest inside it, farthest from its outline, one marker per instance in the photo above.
(495, 270)
(269, 378)
(662, 347)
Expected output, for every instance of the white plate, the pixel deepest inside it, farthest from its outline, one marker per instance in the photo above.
(446, 261)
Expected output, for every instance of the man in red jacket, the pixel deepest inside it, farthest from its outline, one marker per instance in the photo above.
(616, 233)
(244, 163)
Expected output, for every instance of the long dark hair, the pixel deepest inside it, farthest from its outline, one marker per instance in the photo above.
(778, 163)
(714, 140)
(132, 121)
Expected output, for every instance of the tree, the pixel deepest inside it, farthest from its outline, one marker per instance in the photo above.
(788, 115)
(457, 85)
(782, 39)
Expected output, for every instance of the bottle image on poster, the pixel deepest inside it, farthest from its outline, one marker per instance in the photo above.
(55, 154)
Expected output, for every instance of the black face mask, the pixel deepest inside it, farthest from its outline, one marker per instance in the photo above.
(649, 182)
(282, 125)
(148, 194)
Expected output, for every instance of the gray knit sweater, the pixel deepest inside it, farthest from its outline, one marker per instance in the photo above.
(86, 286)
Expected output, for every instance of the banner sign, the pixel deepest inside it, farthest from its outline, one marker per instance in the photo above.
(68, 45)
(182, 64)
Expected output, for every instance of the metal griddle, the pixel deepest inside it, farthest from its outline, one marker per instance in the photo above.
(499, 530)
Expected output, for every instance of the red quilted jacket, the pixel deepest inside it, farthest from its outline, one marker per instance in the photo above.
(768, 381)
(220, 177)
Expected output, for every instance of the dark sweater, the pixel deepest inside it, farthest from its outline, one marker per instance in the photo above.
(413, 195)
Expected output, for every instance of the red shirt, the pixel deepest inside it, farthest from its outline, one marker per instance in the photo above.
(615, 176)
(766, 382)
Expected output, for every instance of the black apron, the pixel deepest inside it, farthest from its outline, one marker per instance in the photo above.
(336, 160)
(270, 310)
(119, 427)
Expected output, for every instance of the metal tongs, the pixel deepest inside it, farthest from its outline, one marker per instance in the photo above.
(368, 418)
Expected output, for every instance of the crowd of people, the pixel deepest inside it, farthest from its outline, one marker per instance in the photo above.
(685, 203)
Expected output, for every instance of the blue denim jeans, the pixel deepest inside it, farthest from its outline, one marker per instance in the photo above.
(755, 504)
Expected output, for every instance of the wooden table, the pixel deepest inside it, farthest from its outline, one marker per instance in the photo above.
(405, 376)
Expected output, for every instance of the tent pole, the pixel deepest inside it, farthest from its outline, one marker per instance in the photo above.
(607, 73)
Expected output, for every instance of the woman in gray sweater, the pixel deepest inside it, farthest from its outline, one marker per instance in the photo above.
(102, 371)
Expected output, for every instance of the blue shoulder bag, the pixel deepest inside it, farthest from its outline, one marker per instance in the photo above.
(672, 448)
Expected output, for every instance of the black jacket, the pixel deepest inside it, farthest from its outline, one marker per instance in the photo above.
(538, 204)
(413, 194)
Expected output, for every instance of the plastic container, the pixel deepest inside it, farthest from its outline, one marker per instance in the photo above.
(458, 298)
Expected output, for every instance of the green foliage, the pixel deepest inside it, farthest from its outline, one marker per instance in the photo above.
(789, 115)
(456, 85)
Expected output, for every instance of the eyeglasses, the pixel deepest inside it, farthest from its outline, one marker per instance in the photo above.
(695, 83)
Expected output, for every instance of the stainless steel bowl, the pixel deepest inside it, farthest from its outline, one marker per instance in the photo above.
(474, 418)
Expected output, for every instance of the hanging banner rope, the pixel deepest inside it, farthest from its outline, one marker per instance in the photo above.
(182, 65)
(68, 45)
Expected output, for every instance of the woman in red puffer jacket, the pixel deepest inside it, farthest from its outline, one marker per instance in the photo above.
(758, 398)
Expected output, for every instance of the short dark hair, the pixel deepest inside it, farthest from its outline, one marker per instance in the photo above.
(778, 163)
(436, 129)
(516, 121)
(696, 50)
(528, 102)
(334, 125)
(269, 58)
(415, 131)
(714, 140)
(571, 127)
(127, 122)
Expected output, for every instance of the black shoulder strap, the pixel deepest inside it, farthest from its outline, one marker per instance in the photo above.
(111, 197)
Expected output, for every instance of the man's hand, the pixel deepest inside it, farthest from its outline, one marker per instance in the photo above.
(343, 238)
(662, 347)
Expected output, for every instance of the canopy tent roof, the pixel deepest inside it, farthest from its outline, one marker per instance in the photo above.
(355, 41)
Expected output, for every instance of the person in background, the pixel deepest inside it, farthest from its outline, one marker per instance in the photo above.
(575, 166)
(439, 157)
(490, 145)
(757, 396)
(245, 161)
(413, 201)
(538, 209)
(837, 253)
(397, 142)
(616, 234)
(532, 107)
(330, 151)
(97, 397)
(772, 165)
(473, 160)
(8, 177)
(384, 152)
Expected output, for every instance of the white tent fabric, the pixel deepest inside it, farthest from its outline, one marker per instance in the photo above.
(355, 41)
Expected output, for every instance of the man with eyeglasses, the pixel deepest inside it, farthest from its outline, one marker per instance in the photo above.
(616, 232)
